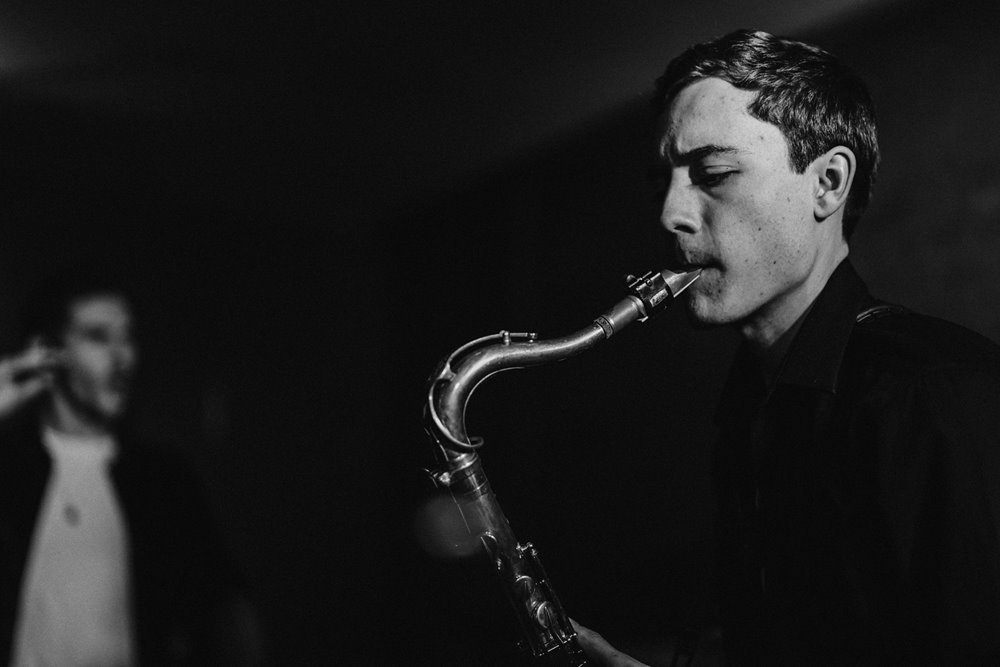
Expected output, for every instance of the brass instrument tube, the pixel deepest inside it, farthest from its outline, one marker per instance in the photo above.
(546, 626)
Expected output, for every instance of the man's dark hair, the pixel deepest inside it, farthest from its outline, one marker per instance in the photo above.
(815, 101)
(47, 309)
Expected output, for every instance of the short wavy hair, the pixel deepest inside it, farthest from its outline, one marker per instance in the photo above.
(47, 309)
(806, 92)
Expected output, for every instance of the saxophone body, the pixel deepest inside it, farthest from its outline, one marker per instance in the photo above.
(544, 623)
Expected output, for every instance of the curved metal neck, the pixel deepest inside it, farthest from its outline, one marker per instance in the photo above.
(503, 351)
(458, 375)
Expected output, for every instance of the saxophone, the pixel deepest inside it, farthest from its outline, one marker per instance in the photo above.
(546, 627)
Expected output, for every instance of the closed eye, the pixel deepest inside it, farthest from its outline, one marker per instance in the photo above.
(710, 178)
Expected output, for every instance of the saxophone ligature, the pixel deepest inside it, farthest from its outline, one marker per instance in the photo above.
(544, 623)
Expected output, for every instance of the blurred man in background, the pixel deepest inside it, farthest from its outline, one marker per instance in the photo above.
(108, 554)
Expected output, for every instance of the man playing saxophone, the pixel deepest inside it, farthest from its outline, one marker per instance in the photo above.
(858, 466)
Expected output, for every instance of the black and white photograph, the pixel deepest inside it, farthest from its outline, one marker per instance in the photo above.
(488, 334)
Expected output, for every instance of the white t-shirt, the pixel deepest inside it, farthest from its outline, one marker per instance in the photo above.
(75, 606)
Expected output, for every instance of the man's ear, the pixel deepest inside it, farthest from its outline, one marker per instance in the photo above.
(834, 173)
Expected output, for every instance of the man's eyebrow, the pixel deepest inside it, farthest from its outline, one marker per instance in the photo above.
(695, 154)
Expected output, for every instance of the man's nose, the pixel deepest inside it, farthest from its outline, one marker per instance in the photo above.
(681, 210)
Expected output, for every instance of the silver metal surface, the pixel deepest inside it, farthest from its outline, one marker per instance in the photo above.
(543, 620)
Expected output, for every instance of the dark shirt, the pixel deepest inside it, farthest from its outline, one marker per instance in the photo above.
(859, 495)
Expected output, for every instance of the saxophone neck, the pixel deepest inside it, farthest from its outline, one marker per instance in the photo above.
(458, 375)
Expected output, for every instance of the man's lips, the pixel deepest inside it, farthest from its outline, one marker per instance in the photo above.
(693, 264)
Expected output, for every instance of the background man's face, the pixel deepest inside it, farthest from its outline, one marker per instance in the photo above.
(100, 356)
(733, 205)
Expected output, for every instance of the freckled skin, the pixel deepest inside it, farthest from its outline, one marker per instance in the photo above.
(767, 254)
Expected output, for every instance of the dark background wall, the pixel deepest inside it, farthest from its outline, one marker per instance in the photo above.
(316, 203)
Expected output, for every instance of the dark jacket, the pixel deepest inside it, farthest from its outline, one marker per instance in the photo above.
(860, 495)
(180, 579)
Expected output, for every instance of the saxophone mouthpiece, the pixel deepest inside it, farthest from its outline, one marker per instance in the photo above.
(678, 282)
(654, 291)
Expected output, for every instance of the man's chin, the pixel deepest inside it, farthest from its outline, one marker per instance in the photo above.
(704, 314)
(110, 409)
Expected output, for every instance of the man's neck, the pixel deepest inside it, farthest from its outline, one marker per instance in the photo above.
(770, 333)
(60, 415)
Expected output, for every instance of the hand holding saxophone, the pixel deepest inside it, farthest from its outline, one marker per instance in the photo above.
(599, 652)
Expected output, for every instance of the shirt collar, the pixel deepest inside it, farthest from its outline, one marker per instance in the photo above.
(79, 448)
(813, 359)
